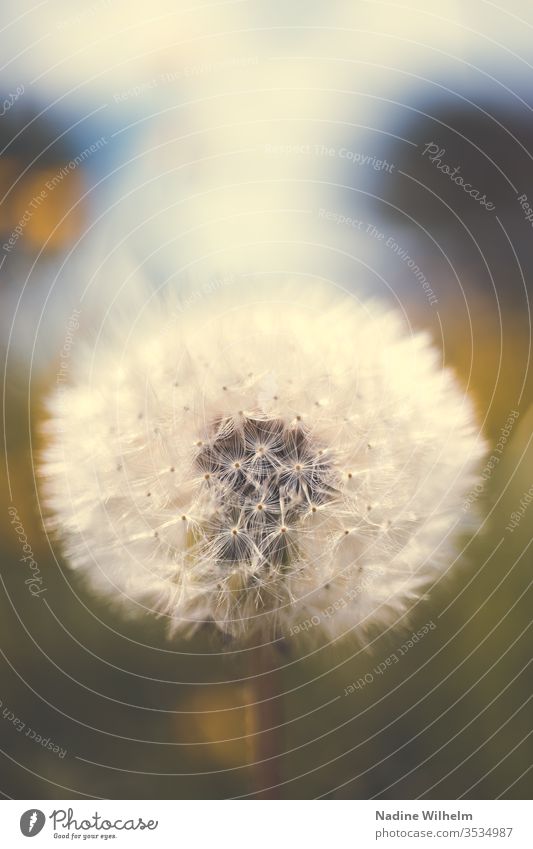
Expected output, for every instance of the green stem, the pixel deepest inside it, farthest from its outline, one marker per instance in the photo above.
(265, 721)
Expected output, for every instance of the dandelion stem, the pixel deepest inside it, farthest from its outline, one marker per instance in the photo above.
(265, 722)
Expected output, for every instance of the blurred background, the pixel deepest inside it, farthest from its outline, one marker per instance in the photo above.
(195, 145)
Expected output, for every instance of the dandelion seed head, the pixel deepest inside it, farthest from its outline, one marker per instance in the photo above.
(256, 461)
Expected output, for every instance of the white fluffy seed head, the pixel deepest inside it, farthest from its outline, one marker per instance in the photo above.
(261, 465)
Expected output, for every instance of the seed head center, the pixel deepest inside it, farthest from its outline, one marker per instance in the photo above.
(249, 465)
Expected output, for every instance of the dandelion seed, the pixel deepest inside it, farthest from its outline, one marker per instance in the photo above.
(268, 515)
